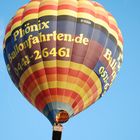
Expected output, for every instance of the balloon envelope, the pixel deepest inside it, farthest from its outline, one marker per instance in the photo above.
(62, 55)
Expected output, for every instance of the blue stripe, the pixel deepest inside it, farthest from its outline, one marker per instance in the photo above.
(52, 109)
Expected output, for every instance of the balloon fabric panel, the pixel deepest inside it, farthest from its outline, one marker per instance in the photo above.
(63, 55)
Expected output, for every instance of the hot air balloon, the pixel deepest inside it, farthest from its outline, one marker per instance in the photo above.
(62, 55)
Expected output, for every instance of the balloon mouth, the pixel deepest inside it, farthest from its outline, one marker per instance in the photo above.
(61, 117)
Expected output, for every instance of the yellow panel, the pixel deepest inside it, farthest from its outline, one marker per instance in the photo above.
(47, 85)
(63, 64)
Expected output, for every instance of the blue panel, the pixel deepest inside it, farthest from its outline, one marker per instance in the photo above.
(51, 110)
